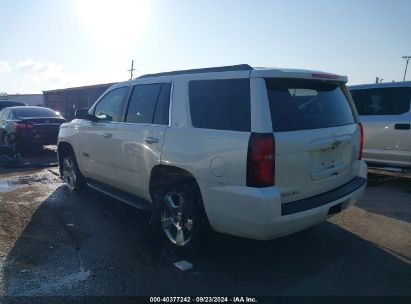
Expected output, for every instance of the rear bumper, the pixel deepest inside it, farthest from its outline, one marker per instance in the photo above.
(257, 213)
(324, 198)
(41, 139)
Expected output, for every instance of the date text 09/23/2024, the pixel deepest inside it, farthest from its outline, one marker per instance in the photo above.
(203, 300)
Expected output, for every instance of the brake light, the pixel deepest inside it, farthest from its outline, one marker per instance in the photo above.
(261, 160)
(17, 125)
(361, 140)
(325, 75)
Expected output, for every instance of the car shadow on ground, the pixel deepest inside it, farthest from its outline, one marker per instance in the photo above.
(40, 154)
(89, 244)
(32, 157)
(390, 198)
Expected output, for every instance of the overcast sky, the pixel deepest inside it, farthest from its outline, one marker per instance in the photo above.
(50, 44)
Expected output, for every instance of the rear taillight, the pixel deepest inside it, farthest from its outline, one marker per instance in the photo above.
(261, 160)
(361, 140)
(325, 76)
(17, 125)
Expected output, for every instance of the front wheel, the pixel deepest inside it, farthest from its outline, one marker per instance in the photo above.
(71, 174)
(7, 140)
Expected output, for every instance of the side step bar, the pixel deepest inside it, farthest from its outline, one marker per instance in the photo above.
(389, 171)
(120, 195)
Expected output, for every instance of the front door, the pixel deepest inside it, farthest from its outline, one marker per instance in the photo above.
(98, 138)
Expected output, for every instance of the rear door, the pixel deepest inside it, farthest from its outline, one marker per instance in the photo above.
(316, 136)
(140, 137)
(385, 114)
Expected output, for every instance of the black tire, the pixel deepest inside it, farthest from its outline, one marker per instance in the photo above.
(185, 225)
(71, 174)
(7, 140)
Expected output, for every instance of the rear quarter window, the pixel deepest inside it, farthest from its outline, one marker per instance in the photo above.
(300, 104)
(222, 104)
(382, 101)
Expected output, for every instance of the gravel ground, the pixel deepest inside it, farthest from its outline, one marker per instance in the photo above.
(56, 243)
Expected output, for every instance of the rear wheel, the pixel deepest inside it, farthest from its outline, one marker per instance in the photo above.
(71, 174)
(181, 214)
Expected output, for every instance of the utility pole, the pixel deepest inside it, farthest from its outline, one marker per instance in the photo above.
(407, 58)
(131, 70)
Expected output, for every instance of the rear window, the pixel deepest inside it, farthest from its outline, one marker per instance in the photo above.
(299, 104)
(35, 112)
(382, 101)
(222, 104)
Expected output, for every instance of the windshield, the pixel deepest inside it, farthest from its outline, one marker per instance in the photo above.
(35, 112)
(300, 104)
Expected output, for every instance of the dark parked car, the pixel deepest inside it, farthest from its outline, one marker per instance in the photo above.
(26, 125)
(10, 103)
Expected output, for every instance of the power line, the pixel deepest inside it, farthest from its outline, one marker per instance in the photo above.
(131, 70)
(407, 58)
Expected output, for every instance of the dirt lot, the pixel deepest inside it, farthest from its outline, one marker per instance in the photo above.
(55, 243)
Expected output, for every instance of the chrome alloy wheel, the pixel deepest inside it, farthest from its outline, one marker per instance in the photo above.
(175, 220)
(69, 173)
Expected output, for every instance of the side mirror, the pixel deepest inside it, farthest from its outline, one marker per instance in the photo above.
(83, 114)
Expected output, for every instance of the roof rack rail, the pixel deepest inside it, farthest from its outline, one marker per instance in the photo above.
(238, 67)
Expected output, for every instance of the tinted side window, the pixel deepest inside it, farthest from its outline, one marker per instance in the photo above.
(222, 104)
(299, 104)
(110, 107)
(142, 103)
(161, 115)
(382, 101)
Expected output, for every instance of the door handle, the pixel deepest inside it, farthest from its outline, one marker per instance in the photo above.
(402, 126)
(151, 140)
(107, 135)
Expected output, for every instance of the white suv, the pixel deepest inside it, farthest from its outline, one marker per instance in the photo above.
(257, 153)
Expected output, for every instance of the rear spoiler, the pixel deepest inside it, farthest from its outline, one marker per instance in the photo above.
(300, 74)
